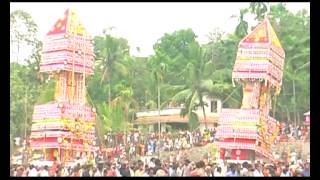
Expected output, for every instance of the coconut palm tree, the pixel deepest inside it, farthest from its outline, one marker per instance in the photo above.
(109, 52)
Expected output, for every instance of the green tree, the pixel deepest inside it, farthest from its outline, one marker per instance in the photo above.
(197, 84)
(109, 53)
(242, 27)
(24, 84)
(293, 31)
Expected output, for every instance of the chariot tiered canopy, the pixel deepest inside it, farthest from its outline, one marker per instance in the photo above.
(65, 126)
(250, 131)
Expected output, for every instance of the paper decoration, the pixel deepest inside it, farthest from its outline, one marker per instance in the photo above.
(67, 44)
(52, 111)
(76, 147)
(67, 54)
(260, 56)
(259, 70)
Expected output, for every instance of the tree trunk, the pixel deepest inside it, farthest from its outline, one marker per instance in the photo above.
(109, 93)
(298, 116)
(159, 125)
(294, 105)
(26, 114)
(213, 63)
(204, 112)
(288, 115)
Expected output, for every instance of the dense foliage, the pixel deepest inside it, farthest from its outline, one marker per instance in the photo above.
(180, 71)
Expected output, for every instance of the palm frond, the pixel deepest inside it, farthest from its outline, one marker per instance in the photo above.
(181, 96)
(206, 85)
(121, 68)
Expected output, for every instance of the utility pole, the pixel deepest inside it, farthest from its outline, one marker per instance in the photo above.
(294, 91)
(159, 126)
(25, 160)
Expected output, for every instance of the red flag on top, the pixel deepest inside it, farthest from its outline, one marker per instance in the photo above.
(263, 33)
(61, 25)
(258, 35)
(68, 23)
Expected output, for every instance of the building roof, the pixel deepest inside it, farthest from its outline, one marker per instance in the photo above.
(172, 119)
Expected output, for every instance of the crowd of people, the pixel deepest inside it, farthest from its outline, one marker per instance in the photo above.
(135, 154)
(175, 166)
(288, 132)
(136, 142)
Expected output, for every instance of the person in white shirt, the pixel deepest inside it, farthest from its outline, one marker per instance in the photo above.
(293, 157)
(258, 171)
(98, 173)
(224, 168)
(179, 170)
(44, 172)
(33, 171)
(285, 172)
(218, 172)
(136, 136)
(118, 171)
(151, 163)
(171, 157)
(244, 171)
(171, 170)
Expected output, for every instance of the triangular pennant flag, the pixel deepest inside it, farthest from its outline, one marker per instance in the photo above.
(69, 23)
(258, 35)
(264, 34)
(75, 26)
(61, 25)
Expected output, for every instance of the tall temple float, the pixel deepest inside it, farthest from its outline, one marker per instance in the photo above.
(65, 128)
(249, 133)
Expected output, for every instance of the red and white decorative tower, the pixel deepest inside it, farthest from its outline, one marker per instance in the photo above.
(65, 127)
(250, 132)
